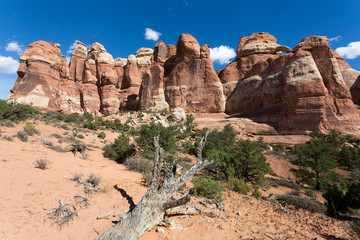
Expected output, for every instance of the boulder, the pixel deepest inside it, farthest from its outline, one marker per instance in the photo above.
(178, 114)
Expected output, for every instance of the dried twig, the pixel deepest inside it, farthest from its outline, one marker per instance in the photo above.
(82, 201)
(106, 215)
(63, 214)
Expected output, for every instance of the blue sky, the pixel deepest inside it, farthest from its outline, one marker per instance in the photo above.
(120, 25)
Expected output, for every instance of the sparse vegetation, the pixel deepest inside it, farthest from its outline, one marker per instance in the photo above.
(63, 214)
(274, 182)
(22, 135)
(42, 163)
(30, 129)
(102, 135)
(301, 202)
(208, 188)
(94, 179)
(6, 123)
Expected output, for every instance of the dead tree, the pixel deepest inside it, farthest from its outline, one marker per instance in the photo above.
(75, 148)
(151, 208)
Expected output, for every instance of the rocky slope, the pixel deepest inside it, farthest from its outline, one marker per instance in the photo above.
(293, 90)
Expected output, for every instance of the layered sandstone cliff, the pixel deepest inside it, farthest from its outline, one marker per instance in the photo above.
(294, 90)
(302, 89)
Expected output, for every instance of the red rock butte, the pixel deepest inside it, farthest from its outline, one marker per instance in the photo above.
(307, 88)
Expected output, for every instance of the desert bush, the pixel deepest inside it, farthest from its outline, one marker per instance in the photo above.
(93, 125)
(274, 182)
(243, 160)
(145, 136)
(76, 177)
(8, 138)
(102, 135)
(6, 123)
(239, 185)
(52, 146)
(74, 118)
(30, 129)
(256, 191)
(94, 179)
(120, 149)
(80, 136)
(208, 188)
(65, 127)
(56, 135)
(301, 202)
(42, 163)
(53, 116)
(310, 193)
(22, 135)
(189, 147)
(16, 112)
(138, 164)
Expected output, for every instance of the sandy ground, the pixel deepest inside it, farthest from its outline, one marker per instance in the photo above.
(29, 194)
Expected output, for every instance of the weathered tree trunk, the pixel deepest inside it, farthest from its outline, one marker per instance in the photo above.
(151, 209)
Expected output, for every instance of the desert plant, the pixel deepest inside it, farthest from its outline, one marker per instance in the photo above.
(8, 138)
(102, 135)
(42, 163)
(138, 164)
(219, 139)
(316, 158)
(120, 149)
(30, 129)
(301, 202)
(274, 182)
(94, 179)
(208, 188)
(63, 214)
(239, 185)
(256, 191)
(22, 135)
(6, 123)
(80, 136)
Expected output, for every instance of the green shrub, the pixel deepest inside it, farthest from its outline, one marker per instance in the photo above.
(242, 160)
(301, 202)
(239, 185)
(274, 182)
(30, 129)
(120, 149)
(217, 140)
(74, 118)
(94, 125)
(88, 116)
(102, 135)
(145, 138)
(315, 159)
(22, 135)
(189, 147)
(208, 188)
(16, 112)
(65, 127)
(53, 116)
(343, 197)
(256, 191)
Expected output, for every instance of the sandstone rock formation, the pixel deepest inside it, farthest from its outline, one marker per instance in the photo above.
(43, 80)
(293, 92)
(192, 83)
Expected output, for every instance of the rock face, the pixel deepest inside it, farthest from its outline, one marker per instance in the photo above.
(298, 91)
(43, 80)
(192, 82)
(293, 90)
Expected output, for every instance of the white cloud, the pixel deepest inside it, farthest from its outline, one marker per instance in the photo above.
(8, 65)
(151, 34)
(14, 47)
(72, 47)
(335, 39)
(222, 54)
(351, 51)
